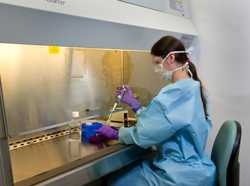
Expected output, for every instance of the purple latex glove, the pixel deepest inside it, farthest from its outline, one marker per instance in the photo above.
(128, 97)
(98, 140)
(108, 132)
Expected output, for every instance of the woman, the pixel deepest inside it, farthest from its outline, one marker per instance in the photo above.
(176, 121)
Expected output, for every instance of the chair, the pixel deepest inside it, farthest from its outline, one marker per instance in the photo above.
(225, 154)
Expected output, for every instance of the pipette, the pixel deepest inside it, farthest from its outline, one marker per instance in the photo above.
(119, 98)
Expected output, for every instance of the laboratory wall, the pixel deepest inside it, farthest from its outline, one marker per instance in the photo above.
(224, 64)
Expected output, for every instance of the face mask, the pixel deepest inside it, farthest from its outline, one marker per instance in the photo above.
(158, 68)
(167, 74)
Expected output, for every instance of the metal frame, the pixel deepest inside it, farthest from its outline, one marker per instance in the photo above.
(6, 178)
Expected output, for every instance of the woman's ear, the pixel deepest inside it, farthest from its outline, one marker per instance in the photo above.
(172, 59)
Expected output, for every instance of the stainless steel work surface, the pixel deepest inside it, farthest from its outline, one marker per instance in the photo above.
(38, 162)
(87, 173)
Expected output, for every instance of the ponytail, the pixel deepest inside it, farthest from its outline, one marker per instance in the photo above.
(195, 76)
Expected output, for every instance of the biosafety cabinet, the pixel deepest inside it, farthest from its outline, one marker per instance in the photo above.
(59, 57)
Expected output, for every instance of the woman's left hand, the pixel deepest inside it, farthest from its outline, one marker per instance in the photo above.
(108, 132)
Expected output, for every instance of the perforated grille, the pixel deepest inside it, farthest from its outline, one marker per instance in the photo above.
(38, 139)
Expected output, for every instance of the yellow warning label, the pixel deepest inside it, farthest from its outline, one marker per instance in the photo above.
(54, 49)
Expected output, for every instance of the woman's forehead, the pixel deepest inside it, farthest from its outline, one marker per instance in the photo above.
(156, 58)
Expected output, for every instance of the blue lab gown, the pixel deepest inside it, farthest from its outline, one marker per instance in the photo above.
(175, 123)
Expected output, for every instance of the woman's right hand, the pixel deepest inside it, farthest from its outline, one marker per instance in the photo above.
(126, 96)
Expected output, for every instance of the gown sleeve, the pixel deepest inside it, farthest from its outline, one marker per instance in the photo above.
(163, 117)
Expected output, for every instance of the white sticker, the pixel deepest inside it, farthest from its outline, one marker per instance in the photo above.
(177, 5)
(180, 5)
(57, 2)
(75, 114)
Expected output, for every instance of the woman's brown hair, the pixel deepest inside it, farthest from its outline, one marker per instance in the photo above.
(168, 44)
